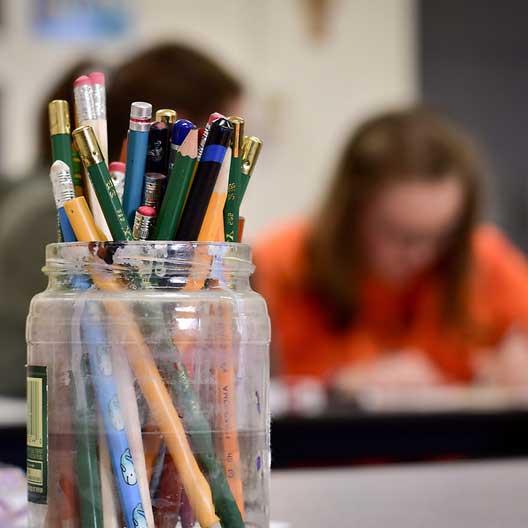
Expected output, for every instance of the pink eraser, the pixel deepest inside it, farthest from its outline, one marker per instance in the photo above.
(97, 78)
(146, 210)
(213, 117)
(81, 81)
(117, 166)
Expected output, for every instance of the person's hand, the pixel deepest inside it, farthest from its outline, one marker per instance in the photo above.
(507, 364)
(404, 369)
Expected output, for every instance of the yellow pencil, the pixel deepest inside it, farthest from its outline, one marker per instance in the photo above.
(214, 216)
(82, 220)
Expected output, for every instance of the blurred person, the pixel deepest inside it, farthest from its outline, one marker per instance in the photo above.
(394, 283)
(166, 75)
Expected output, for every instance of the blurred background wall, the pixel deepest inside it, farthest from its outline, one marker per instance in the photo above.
(312, 69)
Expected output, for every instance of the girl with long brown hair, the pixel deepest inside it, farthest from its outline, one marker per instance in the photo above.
(393, 282)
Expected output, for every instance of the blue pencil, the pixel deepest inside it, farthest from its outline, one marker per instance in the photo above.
(94, 339)
(137, 146)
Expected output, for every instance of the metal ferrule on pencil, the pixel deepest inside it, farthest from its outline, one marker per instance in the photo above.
(140, 116)
(99, 100)
(250, 153)
(62, 183)
(59, 117)
(84, 102)
(143, 225)
(154, 183)
(237, 139)
(88, 146)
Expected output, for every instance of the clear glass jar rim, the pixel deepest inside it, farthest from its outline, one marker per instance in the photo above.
(173, 256)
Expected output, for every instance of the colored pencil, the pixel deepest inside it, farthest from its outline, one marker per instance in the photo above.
(204, 180)
(177, 188)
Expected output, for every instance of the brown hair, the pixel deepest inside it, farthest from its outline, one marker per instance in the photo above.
(168, 76)
(409, 144)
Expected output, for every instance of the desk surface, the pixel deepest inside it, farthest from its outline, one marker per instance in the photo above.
(458, 495)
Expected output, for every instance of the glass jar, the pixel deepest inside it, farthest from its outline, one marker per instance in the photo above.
(148, 379)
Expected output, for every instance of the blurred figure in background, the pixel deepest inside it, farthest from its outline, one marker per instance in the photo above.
(393, 283)
(167, 76)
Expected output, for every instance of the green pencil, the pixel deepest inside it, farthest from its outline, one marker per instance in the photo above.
(86, 461)
(250, 153)
(59, 123)
(107, 197)
(232, 203)
(179, 183)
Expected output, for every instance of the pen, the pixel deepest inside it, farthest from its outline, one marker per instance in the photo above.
(158, 148)
(136, 159)
(167, 116)
(232, 205)
(177, 188)
(214, 151)
(213, 221)
(93, 162)
(63, 191)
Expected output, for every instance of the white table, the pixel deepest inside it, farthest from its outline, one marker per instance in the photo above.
(454, 495)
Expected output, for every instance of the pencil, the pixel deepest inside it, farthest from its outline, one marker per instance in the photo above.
(177, 188)
(213, 219)
(59, 123)
(204, 180)
(232, 205)
(97, 81)
(85, 116)
(63, 191)
(205, 132)
(179, 132)
(136, 159)
(111, 513)
(95, 341)
(81, 219)
(93, 162)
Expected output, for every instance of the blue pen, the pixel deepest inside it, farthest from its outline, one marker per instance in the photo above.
(137, 146)
(180, 129)
(95, 342)
(63, 190)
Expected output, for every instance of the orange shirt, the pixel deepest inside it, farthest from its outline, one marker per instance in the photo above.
(308, 345)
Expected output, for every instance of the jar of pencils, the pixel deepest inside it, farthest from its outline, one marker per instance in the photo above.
(148, 377)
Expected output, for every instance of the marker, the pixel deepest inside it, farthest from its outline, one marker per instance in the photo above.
(59, 124)
(212, 226)
(144, 222)
(179, 132)
(93, 162)
(158, 148)
(138, 134)
(154, 189)
(177, 188)
(203, 137)
(214, 151)
(95, 343)
(117, 173)
(97, 80)
(250, 152)
(63, 191)
(85, 115)
(232, 205)
(82, 220)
